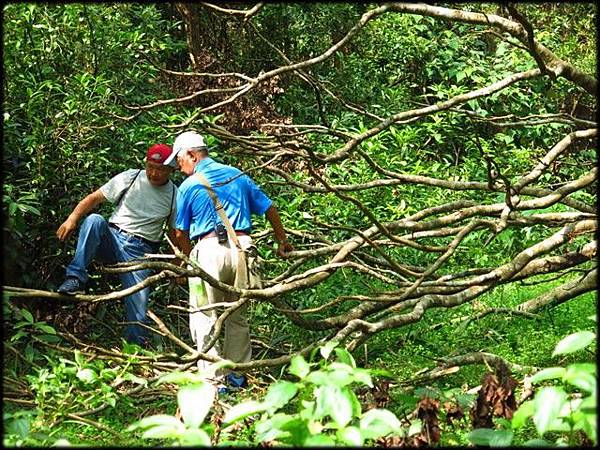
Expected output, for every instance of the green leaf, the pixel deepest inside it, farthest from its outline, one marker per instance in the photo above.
(547, 404)
(331, 401)
(280, 393)
(195, 400)
(242, 410)
(27, 316)
(345, 357)
(574, 342)
(548, 374)
(299, 367)
(87, 375)
(521, 415)
(155, 421)
(319, 440)
(501, 438)
(195, 437)
(272, 428)
(415, 427)
(583, 376)
(162, 432)
(327, 349)
(481, 436)
(44, 327)
(378, 422)
(351, 436)
(538, 443)
(319, 378)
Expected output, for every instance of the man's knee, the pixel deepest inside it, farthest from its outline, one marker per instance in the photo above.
(94, 220)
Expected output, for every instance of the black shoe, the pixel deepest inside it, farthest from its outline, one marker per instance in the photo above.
(72, 286)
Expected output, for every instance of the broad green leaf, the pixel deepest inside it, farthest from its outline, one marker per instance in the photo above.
(195, 400)
(319, 440)
(326, 349)
(481, 436)
(574, 342)
(415, 427)
(538, 443)
(299, 367)
(582, 376)
(378, 422)
(280, 393)
(345, 357)
(521, 415)
(548, 374)
(27, 315)
(272, 428)
(319, 378)
(547, 404)
(156, 420)
(87, 375)
(195, 438)
(589, 403)
(243, 409)
(350, 436)
(44, 327)
(501, 438)
(162, 432)
(331, 401)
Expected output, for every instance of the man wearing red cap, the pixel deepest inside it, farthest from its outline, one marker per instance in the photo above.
(144, 200)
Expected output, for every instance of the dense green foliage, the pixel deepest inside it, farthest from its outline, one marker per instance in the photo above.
(72, 75)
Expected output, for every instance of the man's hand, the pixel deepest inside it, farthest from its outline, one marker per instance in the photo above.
(83, 207)
(284, 248)
(66, 229)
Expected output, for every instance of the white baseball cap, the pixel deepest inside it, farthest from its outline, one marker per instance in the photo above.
(185, 141)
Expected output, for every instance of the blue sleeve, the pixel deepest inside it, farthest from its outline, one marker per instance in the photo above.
(257, 199)
(184, 214)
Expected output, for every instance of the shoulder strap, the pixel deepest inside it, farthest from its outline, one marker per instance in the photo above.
(127, 189)
(166, 224)
(220, 210)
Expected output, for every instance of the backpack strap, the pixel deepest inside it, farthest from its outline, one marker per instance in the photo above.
(241, 278)
(127, 189)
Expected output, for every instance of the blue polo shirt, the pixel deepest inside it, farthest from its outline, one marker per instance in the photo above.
(239, 195)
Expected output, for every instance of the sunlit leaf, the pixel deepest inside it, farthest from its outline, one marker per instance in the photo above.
(280, 393)
(350, 436)
(547, 404)
(574, 342)
(521, 415)
(87, 375)
(378, 422)
(299, 367)
(242, 410)
(548, 374)
(195, 400)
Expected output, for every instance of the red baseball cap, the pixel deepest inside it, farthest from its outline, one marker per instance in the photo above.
(158, 153)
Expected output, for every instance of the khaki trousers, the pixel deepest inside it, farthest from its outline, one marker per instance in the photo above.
(220, 261)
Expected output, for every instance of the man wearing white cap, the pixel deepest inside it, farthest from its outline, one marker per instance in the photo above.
(198, 220)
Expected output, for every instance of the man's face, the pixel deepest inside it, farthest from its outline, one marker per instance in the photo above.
(186, 162)
(158, 174)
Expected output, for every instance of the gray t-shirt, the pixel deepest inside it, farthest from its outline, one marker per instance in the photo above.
(144, 207)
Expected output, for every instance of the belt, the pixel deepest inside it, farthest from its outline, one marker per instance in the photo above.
(214, 234)
(144, 240)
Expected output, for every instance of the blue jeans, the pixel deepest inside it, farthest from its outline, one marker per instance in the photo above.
(108, 245)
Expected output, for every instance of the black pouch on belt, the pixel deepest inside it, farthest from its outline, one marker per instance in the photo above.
(221, 233)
